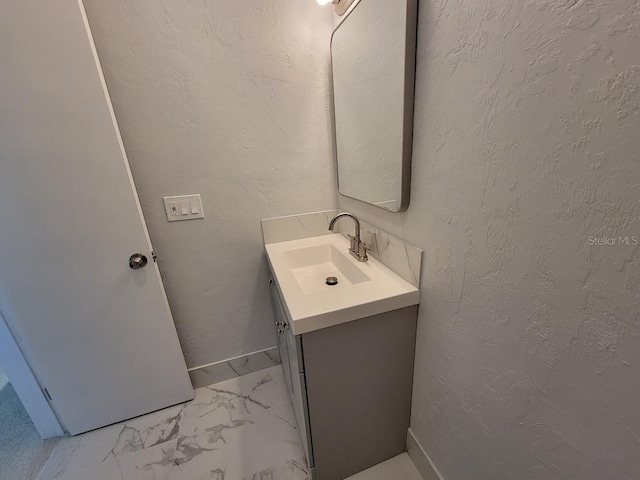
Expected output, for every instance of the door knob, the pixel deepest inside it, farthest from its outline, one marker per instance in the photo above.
(137, 260)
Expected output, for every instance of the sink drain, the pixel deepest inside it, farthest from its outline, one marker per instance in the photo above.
(332, 281)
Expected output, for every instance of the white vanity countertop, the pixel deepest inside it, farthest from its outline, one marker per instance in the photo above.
(364, 288)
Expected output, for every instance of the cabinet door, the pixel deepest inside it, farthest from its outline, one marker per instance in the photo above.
(299, 392)
(359, 377)
(291, 359)
(279, 318)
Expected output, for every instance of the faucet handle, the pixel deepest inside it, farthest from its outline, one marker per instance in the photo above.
(363, 248)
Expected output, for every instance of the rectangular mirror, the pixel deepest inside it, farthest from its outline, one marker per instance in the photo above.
(373, 66)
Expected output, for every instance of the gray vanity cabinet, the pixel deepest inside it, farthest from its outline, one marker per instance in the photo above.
(350, 388)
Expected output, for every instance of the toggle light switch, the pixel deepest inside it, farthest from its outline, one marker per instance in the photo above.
(184, 207)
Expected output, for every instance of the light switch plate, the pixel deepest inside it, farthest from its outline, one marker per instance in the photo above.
(183, 207)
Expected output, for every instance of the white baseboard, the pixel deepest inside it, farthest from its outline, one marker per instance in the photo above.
(420, 458)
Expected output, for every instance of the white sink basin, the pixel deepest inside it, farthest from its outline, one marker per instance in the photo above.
(312, 265)
(301, 268)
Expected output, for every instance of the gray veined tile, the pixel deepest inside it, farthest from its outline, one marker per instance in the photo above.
(252, 363)
(113, 442)
(294, 469)
(234, 399)
(219, 372)
(243, 428)
(266, 387)
(240, 448)
(155, 463)
(59, 458)
(274, 355)
(402, 257)
(293, 227)
(216, 373)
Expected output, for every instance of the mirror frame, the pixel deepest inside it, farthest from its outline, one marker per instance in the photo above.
(411, 37)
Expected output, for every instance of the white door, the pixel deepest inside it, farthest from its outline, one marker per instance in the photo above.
(98, 334)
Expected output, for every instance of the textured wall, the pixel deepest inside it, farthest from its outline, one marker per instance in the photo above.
(228, 99)
(526, 144)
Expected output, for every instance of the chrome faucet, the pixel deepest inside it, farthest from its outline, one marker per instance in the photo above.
(357, 249)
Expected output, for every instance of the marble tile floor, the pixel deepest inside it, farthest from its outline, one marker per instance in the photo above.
(239, 429)
(235, 367)
(242, 428)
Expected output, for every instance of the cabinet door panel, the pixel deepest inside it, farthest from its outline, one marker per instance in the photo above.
(298, 391)
(280, 317)
(292, 364)
(358, 378)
